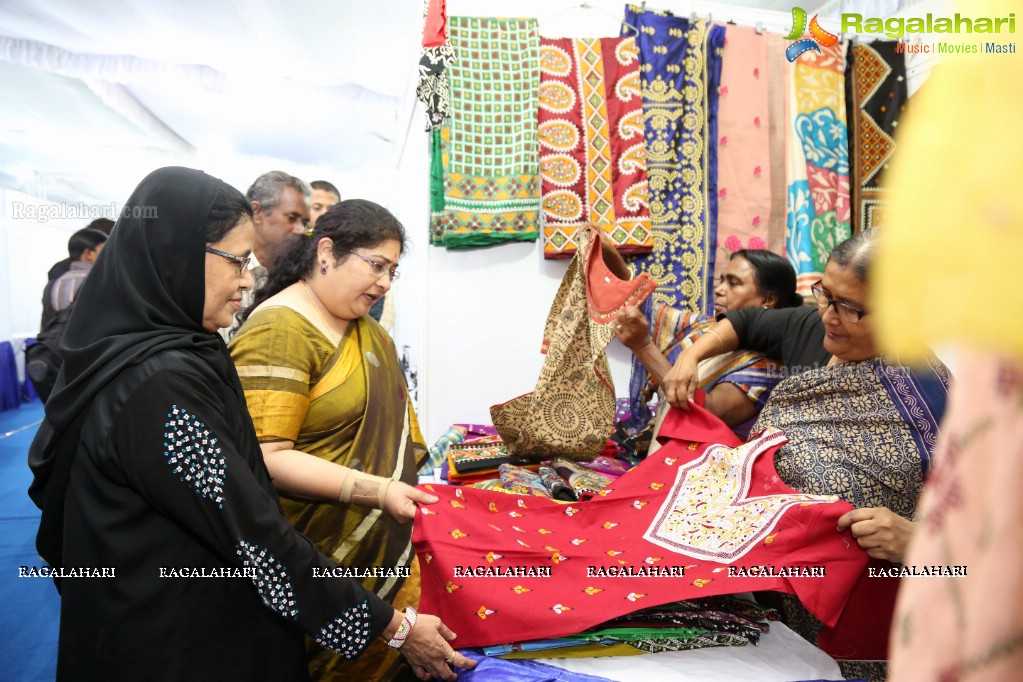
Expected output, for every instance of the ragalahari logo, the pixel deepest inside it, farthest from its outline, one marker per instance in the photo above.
(818, 36)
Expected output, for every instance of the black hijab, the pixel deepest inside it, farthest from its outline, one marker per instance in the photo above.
(144, 296)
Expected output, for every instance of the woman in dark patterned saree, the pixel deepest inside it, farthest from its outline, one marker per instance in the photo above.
(859, 425)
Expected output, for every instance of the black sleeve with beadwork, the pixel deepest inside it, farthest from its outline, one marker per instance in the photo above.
(175, 446)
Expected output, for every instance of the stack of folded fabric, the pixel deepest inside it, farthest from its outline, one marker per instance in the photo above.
(469, 462)
(538, 480)
(475, 455)
(676, 626)
(584, 480)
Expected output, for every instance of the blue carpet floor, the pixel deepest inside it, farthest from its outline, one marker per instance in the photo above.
(28, 624)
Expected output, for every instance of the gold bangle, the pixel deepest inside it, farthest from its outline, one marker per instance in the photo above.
(718, 337)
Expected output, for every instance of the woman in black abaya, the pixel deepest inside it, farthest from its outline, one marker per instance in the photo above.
(147, 464)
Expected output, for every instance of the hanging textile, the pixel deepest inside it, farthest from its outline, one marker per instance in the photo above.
(744, 149)
(818, 162)
(484, 184)
(778, 77)
(437, 55)
(571, 411)
(666, 530)
(592, 153)
(876, 83)
(680, 70)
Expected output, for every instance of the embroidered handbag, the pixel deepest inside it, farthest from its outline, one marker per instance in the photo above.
(571, 411)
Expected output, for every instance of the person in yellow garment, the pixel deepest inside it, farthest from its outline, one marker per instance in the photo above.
(326, 392)
(949, 275)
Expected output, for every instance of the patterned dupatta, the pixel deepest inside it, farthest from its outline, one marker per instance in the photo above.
(680, 69)
(818, 162)
(484, 183)
(592, 153)
(864, 431)
(435, 58)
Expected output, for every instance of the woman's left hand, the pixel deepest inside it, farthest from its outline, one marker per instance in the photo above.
(400, 501)
(880, 531)
(632, 329)
(429, 653)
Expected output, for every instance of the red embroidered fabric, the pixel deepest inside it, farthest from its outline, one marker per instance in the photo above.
(695, 506)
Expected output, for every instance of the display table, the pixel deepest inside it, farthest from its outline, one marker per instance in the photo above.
(781, 656)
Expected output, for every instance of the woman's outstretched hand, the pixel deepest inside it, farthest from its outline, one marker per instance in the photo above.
(631, 328)
(879, 531)
(400, 501)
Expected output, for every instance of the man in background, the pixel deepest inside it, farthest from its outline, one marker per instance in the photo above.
(280, 206)
(104, 225)
(83, 248)
(42, 358)
(324, 196)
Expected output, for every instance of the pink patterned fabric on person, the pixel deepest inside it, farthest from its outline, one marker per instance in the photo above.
(592, 151)
(951, 626)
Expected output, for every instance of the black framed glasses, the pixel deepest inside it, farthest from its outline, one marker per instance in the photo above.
(241, 261)
(379, 269)
(846, 312)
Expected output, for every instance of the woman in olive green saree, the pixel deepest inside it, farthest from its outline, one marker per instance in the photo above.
(324, 387)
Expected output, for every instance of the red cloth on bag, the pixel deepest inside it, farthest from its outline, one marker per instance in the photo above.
(653, 517)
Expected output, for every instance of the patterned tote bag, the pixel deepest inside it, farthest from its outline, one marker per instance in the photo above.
(571, 411)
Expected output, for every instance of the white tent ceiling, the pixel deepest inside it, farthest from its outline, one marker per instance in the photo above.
(222, 84)
(97, 94)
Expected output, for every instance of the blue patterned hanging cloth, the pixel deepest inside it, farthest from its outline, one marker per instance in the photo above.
(680, 71)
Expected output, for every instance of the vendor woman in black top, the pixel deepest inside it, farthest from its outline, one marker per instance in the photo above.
(862, 430)
(858, 424)
(836, 330)
(147, 465)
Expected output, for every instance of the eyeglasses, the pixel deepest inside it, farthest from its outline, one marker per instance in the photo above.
(241, 261)
(379, 269)
(846, 312)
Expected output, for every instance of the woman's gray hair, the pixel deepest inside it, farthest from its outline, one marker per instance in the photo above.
(267, 188)
(856, 252)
